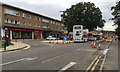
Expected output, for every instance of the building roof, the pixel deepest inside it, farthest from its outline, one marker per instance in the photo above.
(4, 4)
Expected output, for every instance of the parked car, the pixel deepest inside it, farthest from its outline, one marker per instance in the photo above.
(51, 38)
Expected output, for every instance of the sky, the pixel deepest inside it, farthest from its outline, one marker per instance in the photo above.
(52, 8)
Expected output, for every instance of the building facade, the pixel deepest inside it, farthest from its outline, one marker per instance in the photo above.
(24, 24)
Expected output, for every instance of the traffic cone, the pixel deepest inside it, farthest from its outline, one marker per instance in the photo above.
(92, 44)
(99, 41)
(53, 42)
(49, 41)
(57, 42)
(63, 42)
(69, 42)
(99, 48)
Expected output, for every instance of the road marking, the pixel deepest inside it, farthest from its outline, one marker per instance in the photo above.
(78, 49)
(67, 66)
(50, 59)
(95, 64)
(23, 59)
(92, 63)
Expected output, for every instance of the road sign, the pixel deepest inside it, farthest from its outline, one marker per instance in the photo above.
(6, 29)
(65, 38)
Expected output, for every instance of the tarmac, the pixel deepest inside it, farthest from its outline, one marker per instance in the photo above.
(16, 46)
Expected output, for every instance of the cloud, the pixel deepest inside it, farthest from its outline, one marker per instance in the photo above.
(52, 8)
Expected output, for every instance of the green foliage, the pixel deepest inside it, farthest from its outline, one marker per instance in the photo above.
(116, 14)
(86, 14)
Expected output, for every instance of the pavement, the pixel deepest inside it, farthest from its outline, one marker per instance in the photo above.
(111, 62)
(16, 46)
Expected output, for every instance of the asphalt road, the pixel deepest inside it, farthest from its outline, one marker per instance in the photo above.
(45, 56)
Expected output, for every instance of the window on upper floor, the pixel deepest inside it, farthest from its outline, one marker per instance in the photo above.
(39, 25)
(29, 16)
(56, 23)
(51, 27)
(56, 28)
(53, 22)
(24, 23)
(44, 26)
(11, 12)
(35, 25)
(38, 19)
(16, 22)
(29, 24)
(35, 18)
(11, 21)
(24, 15)
(45, 20)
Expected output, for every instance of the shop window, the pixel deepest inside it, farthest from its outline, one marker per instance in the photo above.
(21, 35)
(26, 35)
(16, 34)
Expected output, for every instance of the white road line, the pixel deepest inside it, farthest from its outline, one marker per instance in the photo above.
(53, 58)
(50, 59)
(67, 66)
(26, 59)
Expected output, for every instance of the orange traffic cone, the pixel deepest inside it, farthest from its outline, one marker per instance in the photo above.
(49, 41)
(92, 44)
(99, 48)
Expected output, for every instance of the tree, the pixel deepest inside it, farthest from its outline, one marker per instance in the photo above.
(116, 14)
(86, 14)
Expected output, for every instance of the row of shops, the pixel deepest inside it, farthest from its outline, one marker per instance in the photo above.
(20, 33)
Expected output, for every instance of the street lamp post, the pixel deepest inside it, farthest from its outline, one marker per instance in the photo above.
(5, 38)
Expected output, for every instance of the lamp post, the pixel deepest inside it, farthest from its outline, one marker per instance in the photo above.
(5, 38)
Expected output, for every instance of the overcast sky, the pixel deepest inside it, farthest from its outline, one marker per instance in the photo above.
(52, 8)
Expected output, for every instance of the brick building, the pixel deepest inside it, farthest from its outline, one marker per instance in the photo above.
(24, 24)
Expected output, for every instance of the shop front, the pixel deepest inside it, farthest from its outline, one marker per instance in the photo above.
(19, 33)
(38, 34)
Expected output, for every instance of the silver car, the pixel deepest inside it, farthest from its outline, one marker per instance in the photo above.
(51, 38)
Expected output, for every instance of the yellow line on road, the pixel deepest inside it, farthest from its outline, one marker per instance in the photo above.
(95, 64)
(92, 63)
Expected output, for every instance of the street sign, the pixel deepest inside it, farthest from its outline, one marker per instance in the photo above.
(65, 38)
(6, 29)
